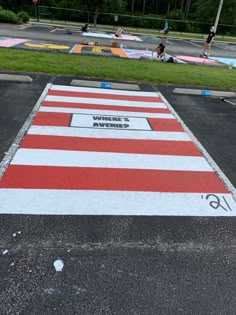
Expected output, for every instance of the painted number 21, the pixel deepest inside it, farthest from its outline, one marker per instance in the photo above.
(216, 202)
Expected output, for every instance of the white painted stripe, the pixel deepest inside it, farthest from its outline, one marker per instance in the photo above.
(192, 43)
(102, 91)
(221, 46)
(108, 134)
(90, 202)
(103, 112)
(100, 101)
(110, 160)
(70, 52)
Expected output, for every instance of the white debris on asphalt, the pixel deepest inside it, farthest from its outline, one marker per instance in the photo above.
(58, 264)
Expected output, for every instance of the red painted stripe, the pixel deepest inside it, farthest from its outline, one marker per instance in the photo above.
(106, 107)
(140, 98)
(45, 177)
(63, 119)
(180, 148)
(165, 124)
(52, 119)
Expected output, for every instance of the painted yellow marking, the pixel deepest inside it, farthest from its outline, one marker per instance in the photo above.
(100, 49)
(48, 46)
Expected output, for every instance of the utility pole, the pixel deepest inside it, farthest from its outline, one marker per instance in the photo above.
(132, 7)
(218, 14)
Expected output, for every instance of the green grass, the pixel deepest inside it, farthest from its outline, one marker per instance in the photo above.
(142, 71)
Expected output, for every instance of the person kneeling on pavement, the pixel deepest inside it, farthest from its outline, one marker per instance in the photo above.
(160, 51)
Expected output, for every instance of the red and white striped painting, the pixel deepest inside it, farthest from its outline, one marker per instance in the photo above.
(110, 152)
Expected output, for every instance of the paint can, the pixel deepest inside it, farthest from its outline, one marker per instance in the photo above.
(115, 44)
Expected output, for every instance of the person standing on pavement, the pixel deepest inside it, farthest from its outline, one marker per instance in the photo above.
(166, 28)
(208, 42)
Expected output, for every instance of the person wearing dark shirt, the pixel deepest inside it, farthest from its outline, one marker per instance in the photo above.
(85, 28)
(208, 42)
(161, 51)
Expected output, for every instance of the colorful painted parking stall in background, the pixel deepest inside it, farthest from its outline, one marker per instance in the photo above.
(92, 151)
(46, 46)
(228, 61)
(98, 34)
(112, 36)
(93, 49)
(196, 59)
(11, 42)
(145, 54)
(98, 50)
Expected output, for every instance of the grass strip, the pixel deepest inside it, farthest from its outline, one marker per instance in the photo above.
(142, 71)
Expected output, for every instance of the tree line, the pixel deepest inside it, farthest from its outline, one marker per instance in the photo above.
(184, 15)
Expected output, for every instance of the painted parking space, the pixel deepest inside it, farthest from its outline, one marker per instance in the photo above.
(11, 42)
(195, 59)
(45, 46)
(210, 60)
(98, 34)
(103, 152)
(98, 50)
(227, 61)
(146, 54)
(112, 35)
(118, 52)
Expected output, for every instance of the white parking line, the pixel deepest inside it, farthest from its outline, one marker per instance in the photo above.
(194, 44)
(221, 47)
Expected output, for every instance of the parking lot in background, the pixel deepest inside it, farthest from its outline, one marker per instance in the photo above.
(113, 263)
(118, 264)
(135, 46)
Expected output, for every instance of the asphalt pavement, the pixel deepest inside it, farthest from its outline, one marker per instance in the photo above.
(120, 264)
(68, 35)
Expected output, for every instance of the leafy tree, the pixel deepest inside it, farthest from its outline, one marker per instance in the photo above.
(98, 6)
